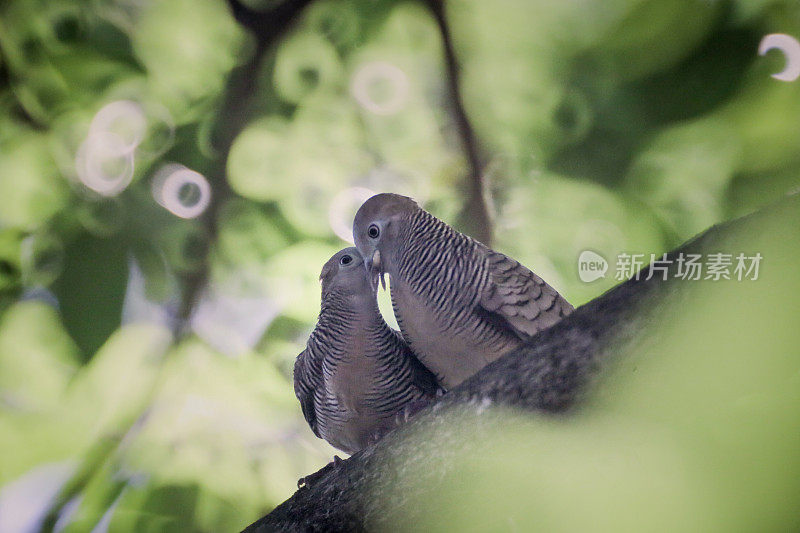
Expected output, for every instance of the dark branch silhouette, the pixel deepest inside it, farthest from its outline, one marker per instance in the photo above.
(475, 218)
(266, 27)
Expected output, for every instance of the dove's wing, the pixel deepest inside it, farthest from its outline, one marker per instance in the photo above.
(524, 302)
(307, 379)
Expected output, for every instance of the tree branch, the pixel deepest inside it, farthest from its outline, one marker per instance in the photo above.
(270, 24)
(475, 218)
(233, 116)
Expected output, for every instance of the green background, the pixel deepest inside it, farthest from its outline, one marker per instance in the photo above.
(145, 359)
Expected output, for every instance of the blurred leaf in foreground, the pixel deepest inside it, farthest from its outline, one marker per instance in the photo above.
(30, 188)
(37, 357)
(219, 436)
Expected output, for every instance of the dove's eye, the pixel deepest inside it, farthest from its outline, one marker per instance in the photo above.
(345, 260)
(373, 231)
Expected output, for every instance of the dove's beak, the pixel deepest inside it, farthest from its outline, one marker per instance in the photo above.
(374, 270)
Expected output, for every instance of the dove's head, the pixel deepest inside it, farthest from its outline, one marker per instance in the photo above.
(344, 272)
(378, 227)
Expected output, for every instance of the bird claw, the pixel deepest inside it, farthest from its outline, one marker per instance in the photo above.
(375, 437)
(410, 410)
(312, 479)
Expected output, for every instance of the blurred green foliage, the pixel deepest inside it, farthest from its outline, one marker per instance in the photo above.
(145, 358)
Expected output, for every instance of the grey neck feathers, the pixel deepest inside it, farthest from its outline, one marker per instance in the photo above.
(435, 257)
(343, 316)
